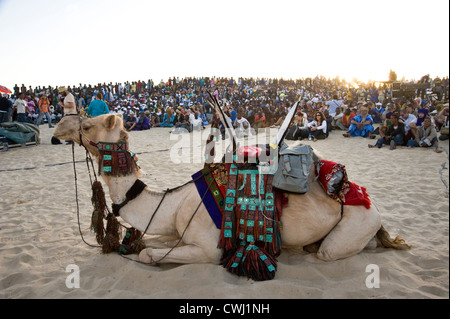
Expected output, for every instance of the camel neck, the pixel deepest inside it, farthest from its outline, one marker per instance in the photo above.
(118, 186)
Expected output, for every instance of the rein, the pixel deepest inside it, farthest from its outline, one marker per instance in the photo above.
(132, 193)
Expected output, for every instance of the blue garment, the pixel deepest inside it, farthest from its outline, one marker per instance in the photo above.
(97, 107)
(204, 120)
(166, 122)
(377, 114)
(233, 116)
(364, 132)
(333, 105)
(414, 143)
(398, 139)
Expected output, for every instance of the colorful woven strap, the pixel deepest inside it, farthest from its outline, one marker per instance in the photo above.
(112, 147)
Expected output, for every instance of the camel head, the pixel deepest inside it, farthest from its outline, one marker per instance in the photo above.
(104, 128)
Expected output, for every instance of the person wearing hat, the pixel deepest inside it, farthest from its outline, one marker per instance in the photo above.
(67, 101)
(378, 111)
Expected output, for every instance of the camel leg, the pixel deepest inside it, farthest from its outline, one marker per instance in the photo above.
(353, 232)
(189, 254)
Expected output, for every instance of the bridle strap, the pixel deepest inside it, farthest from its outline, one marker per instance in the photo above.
(132, 193)
(81, 135)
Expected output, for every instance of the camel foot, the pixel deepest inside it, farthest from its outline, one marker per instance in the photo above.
(145, 255)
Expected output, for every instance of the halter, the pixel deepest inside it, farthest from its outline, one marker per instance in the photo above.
(114, 158)
(134, 191)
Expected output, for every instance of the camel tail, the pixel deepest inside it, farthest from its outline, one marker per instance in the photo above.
(385, 239)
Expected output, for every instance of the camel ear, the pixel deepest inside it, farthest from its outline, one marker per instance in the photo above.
(110, 122)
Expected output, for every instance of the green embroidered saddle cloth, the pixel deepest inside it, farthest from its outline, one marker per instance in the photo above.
(250, 232)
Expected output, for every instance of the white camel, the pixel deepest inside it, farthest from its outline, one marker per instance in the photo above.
(312, 220)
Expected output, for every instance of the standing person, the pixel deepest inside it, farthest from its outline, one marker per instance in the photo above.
(81, 103)
(20, 106)
(5, 105)
(97, 107)
(43, 105)
(260, 121)
(333, 105)
(242, 126)
(67, 101)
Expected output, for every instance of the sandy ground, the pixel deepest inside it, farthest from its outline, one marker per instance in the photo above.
(39, 236)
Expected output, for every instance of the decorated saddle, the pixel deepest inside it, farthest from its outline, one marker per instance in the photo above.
(333, 178)
(247, 209)
(244, 205)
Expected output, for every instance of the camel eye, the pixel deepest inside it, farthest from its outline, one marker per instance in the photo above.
(86, 127)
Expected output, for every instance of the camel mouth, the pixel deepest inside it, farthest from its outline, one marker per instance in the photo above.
(59, 133)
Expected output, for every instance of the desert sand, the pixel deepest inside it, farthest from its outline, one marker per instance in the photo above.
(39, 236)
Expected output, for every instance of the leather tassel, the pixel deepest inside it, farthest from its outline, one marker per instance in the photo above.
(99, 203)
(97, 226)
(112, 236)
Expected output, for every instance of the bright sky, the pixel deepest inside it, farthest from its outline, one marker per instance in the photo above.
(63, 42)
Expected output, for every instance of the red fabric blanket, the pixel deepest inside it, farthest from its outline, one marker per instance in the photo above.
(333, 178)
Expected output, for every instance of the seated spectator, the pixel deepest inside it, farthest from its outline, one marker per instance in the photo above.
(426, 136)
(299, 129)
(410, 121)
(361, 124)
(336, 123)
(143, 122)
(394, 134)
(387, 114)
(378, 111)
(168, 118)
(349, 114)
(442, 121)
(318, 127)
(278, 122)
(182, 123)
(329, 120)
(421, 115)
(130, 121)
(154, 121)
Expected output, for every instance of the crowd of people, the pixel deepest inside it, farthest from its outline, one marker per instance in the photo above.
(324, 105)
